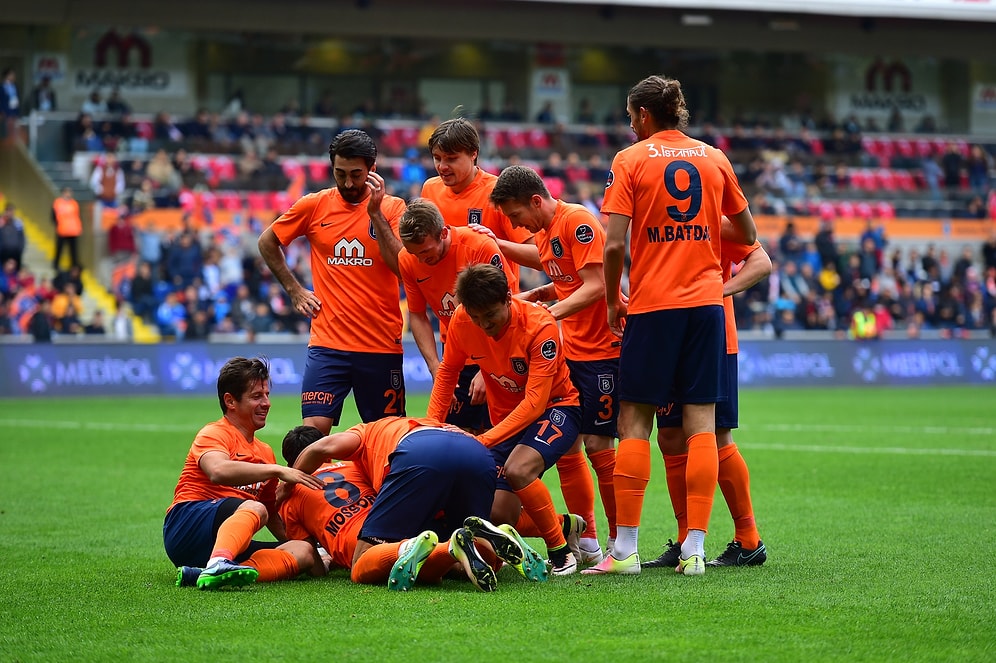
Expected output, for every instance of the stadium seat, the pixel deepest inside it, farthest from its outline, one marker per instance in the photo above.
(259, 201)
(844, 209)
(280, 202)
(884, 210)
(905, 180)
(318, 170)
(885, 178)
(229, 200)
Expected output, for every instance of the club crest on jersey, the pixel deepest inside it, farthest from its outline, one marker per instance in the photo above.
(519, 365)
(557, 417)
(606, 383)
(373, 232)
(396, 381)
(496, 261)
(474, 216)
(608, 180)
(557, 247)
(549, 349)
(584, 233)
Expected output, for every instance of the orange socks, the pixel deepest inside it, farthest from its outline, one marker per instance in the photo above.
(578, 489)
(437, 564)
(701, 475)
(536, 500)
(274, 565)
(604, 464)
(374, 566)
(675, 467)
(525, 525)
(235, 534)
(734, 481)
(631, 476)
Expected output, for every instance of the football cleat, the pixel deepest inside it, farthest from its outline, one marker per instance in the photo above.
(463, 550)
(612, 566)
(693, 566)
(532, 567)
(411, 556)
(505, 545)
(564, 566)
(573, 527)
(668, 559)
(186, 576)
(736, 555)
(226, 573)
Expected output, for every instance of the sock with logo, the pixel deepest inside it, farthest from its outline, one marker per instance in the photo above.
(604, 464)
(578, 489)
(734, 481)
(235, 534)
(675, 467)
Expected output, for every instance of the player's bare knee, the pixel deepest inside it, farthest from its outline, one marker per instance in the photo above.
(671, 441)
(255, 507)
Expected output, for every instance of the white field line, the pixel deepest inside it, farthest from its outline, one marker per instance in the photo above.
(792, 428)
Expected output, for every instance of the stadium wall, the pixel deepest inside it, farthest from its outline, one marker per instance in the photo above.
(106, 369)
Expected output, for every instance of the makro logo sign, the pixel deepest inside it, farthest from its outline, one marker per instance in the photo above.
(122, 61)
(888, 86)
(40, 375)
(350, 253)
(784, 366)
(191, 372)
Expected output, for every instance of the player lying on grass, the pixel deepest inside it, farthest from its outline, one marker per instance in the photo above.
(348, 517)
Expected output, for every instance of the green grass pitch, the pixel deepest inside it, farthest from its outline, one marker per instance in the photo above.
(878, 507)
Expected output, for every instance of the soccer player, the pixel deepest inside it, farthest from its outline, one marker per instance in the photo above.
(461, 188)
(226, 493)
(746, 549)
(421, 469)
(433, 257)
(530, 397)
(334, 518)
(569, 245)
(674, 190)
(355, 308)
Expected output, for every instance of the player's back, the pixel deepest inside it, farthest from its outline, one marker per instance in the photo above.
(333, 516)
(676, 190)
(379, 440)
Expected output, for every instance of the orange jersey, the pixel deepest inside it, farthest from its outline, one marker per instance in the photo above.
(676, 190)
(472, 206)
(333, 517)
(575, 239)
(433, 286)
(518, 367)
(222, 436)
(361, 303)
(733, 253)
(379, 440)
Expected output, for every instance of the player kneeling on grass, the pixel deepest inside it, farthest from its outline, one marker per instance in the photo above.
(227, 492)
(432, 481)
(532, 402)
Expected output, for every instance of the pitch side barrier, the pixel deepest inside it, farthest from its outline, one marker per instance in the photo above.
(110, 369)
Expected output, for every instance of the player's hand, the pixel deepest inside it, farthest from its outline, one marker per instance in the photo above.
(483, 229)
(534, 295)
(284, 491)
(617, 318)
(476, 390)
(377, 190)
(291, 475)
(306, 303)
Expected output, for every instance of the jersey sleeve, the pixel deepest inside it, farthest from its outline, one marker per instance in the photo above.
(734, 200)
(447, 375)
(619, 194)
(413, 294)
(295, 222)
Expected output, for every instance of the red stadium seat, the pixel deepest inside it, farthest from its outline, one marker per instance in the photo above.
(259, 201)
(318, 170)
(884, 210)
(291, 168)
(905, 181)
(885, 178)
(229, 200)
(844, 209)
(280, 202)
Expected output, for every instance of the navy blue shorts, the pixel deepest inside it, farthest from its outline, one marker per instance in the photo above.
(598, 383)
(674, 355)
(190, 530)
(727, 412)
(377, 380)
(462, 414)
(437, 478)
(552, 435)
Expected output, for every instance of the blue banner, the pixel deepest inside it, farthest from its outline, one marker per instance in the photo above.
(192, 368)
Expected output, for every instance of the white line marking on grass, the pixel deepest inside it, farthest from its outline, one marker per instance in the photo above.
(856, 428)
(100, 425)
(899, 451)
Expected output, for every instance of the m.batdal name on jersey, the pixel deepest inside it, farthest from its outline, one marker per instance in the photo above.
(680, 233)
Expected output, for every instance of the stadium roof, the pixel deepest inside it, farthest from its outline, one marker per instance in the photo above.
(953, 10)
